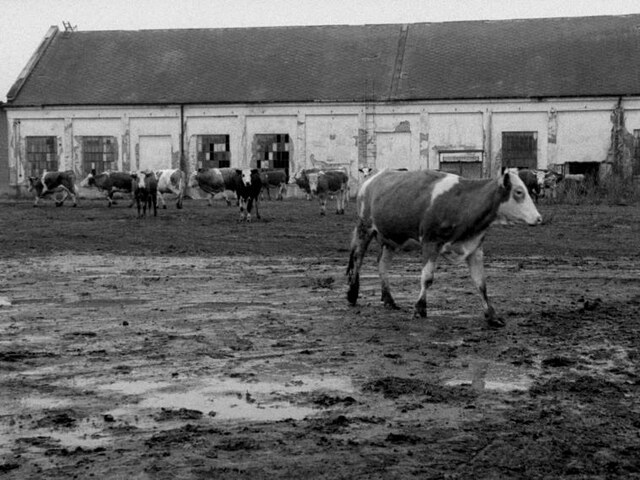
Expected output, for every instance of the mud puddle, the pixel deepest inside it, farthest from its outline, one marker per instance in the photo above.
(484, 375)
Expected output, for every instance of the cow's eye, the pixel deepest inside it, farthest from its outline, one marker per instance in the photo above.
(518, 194)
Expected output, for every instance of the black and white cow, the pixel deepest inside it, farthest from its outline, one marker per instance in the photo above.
(110, 182)
(53, 182)
(248, 187)
(443, 214)
(145, 191)
(276, 178)
(330, 182)
(171, 181)
(213, 181)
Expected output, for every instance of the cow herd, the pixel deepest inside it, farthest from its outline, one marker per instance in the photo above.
(439, 213)
(147, 188)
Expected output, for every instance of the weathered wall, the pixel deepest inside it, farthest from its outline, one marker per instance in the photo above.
(401, 135)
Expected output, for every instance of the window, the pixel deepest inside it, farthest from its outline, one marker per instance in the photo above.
(42, 154)
(520, 150)
(464, 163)
(98, 153)
(273, 151)
(213, 151)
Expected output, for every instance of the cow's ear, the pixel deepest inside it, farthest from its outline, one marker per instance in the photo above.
(238, 171)
(254, 170)
(506, 180)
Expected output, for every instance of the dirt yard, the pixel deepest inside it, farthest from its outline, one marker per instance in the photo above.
(191, 346)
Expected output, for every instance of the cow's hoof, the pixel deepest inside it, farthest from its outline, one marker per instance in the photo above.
(420, 309)
(58, 204)
(389, 303)
(495, 322)
(164, 206)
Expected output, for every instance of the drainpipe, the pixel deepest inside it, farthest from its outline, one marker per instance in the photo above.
(182, 158)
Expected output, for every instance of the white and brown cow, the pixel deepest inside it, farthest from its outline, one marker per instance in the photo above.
(213, 181)
(276, 178)
(110, 182)
(172, 181)
(443, 214)
(330, 182)
(53, 182)
(145, 191)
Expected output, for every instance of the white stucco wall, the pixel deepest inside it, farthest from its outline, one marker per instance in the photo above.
(409, 135)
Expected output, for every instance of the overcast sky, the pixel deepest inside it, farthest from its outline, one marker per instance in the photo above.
(23, 23)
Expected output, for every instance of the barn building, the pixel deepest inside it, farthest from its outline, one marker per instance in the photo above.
(467, 97)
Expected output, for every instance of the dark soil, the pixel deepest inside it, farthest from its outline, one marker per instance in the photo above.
(192, 346)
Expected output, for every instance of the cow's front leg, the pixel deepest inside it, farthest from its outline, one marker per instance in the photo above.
(161, 198)
(476, 267)
(243, 211)
(429, 257)
(384, 262)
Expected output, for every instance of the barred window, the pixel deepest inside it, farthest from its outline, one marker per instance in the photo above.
(98, 153)
(273, 150)
(520, 150)
(213, 151)
(42, 154)
(466, 163)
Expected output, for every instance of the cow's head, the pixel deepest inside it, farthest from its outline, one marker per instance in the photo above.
(35, 183)
(245, 175)
(366, 171)
(90, 180)
(313, 181)
(137, 179)
(516, 205)
(193, 179)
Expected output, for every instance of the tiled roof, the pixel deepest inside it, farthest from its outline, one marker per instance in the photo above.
(583, 56)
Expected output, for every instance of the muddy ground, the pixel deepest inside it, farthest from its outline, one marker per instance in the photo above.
(191, 346)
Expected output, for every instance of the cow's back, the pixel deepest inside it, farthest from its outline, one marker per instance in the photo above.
(117, 180)
(394, 202)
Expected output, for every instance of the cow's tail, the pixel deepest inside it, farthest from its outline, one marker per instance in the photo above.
(182, 185)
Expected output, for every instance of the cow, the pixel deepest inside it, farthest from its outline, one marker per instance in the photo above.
(110, 182)
(248, 187)
(441, 213)
(145, 191)
(331, 182)
(301, 179)
(214, 180)
(51, 182)
(171, 181)
(538, 181)
(275, 177)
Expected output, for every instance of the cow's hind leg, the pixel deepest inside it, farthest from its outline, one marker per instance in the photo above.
(362, 236)
(384, 262)
(476, 268)
(65, 194)
(429, 258)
